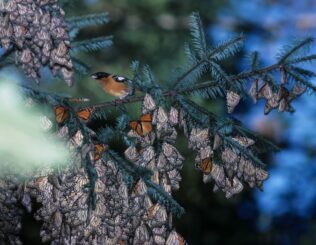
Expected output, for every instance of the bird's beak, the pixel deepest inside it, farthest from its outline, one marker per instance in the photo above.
(94, 76)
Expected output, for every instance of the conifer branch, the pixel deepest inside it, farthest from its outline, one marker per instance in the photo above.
(301, 80)
(243, 150)
(293, 49)
(172, 92)
(254, 60)
(198, 35)
(308, 58)
(184, 76)
(159, 195)
(149, 169)
(227, 49)
(87, 20)
(91, 44)
(199, 86)
(80, 67)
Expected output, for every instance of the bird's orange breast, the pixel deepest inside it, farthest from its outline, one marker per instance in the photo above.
(112, 87)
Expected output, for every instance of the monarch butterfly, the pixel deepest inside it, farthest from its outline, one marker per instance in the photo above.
(84, 114)
(121, 242)
(232, 101)
(143, 126)
(175, 238)
(253, 92)
(151, 212)
(244, 141)
(139, 188)
(267, 108)
(61, 114)
(148, 104)
(265, 92)
(282, 93)
(98, 151)
(205, 166)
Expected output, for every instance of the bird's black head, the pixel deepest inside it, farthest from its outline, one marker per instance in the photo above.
(100, 75)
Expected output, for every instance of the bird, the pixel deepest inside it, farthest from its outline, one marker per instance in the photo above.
(115, 85)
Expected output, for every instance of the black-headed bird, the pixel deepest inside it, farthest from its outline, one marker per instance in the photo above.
(113, 84)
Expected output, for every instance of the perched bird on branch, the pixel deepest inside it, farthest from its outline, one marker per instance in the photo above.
(113, 84)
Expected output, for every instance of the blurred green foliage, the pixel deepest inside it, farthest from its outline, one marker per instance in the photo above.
(153, 32)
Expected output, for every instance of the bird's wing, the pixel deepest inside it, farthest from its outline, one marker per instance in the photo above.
(120, 79)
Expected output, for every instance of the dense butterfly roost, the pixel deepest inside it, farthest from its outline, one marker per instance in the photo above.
(103, 197)
(233, 169)
(36, 31)
(11, 211)
(280, 99)
(117, 205)
(123, 213)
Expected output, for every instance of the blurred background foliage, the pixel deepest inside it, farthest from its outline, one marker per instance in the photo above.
(154, 32)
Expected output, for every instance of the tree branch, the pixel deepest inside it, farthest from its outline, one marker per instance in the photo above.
(172, 92)
(168, 93)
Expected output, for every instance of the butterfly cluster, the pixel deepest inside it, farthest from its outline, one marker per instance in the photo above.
(277, 96)
(37, 33)
(100, 198)
(123, 213)
(107, 197)
(166, 162)
(156, 125)
(222, 164)
(62, 114)
(11, 212)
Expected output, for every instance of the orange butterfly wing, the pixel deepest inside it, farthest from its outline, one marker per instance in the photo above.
(146, 123)
(142, 126)
(146, 127)
(84, 114)
(137, 127)
(133, 125)
(205, 166)
(98, 151)
(61, 114)
(146, 118)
